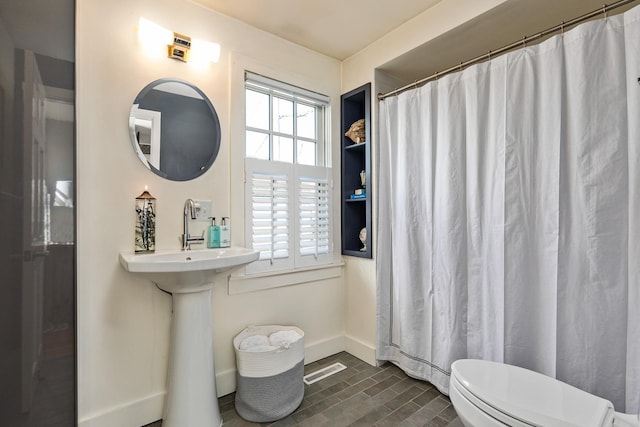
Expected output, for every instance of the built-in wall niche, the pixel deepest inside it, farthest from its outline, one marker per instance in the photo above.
(356, 172)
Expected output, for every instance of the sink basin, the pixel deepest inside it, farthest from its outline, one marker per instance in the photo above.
(191, 398)
(186, 271)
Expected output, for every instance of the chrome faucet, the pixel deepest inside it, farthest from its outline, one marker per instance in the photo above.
(187, 240)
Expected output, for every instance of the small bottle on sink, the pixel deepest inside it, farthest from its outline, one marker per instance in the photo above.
(213, 240)
(225, 233)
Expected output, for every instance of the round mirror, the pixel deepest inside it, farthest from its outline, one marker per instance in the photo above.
(174, 129)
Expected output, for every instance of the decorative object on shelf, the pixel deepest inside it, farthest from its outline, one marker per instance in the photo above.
(363, 238)
(145, 223)
(356, 132)
(360, 193)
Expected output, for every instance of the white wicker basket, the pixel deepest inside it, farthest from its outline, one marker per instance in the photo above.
(269, 383)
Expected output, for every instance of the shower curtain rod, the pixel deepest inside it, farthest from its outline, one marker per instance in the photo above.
(522, 42)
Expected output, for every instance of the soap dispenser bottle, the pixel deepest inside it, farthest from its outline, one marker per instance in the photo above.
(225, 233)
(213, 240)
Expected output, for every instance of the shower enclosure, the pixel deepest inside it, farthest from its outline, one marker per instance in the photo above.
(37, 216)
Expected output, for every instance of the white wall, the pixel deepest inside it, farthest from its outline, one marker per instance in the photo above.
(123, 321)
(360, 274)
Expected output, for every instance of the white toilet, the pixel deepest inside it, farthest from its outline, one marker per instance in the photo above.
(489, 394)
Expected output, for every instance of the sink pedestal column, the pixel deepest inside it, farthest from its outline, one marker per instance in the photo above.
(191, 389)
(191, 399)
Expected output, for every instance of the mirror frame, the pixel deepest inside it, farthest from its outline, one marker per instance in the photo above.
(135, 143)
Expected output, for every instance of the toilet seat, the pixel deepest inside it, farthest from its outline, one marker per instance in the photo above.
(474, 412)
(519, 397)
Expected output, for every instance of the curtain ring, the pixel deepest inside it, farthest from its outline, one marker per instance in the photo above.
(562, 27)
(604, 10)
(524, 41)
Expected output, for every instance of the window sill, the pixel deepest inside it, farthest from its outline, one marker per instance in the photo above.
(241, 283)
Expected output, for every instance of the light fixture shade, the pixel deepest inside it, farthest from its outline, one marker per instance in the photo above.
(205, 51)
(153, 37)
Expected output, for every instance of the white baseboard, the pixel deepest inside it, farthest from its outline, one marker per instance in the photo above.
(321, 349)
(149, 409)
(133, 414)
(361, 350)
(226, 382)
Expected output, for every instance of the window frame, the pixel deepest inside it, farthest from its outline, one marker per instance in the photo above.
(296, 260)
(298, 96)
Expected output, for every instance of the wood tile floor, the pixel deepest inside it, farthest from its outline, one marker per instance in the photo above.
(361, 395)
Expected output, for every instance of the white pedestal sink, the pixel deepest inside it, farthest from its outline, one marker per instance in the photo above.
(189, 275)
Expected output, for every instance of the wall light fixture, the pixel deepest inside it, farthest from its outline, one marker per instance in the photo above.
(155, 38)
(180, 48)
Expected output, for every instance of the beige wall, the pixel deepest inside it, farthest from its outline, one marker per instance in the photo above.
(123, 321)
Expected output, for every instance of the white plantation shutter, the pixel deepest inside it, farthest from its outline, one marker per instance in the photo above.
(270, 221)
(288, 213)
(268, 209)
(314, 215)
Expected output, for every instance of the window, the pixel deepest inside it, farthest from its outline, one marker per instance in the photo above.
(284, 123)
(287, 183)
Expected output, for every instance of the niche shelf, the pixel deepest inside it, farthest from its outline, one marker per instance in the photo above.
(356, 157)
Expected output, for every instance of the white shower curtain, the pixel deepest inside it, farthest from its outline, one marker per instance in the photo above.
(509, 214)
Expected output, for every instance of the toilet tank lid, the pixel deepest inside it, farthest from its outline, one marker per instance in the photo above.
(537, 399)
